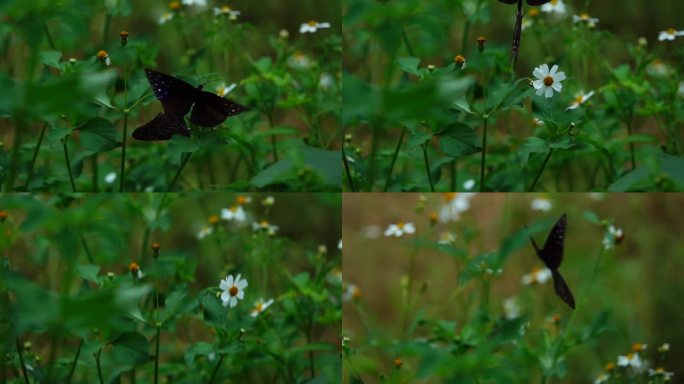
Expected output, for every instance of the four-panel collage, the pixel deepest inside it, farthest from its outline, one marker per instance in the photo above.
(178, 178)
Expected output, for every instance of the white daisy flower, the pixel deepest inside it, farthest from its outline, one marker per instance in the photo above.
(236, 213)
(665, 347)
(547, 81)
(268, 201)
(585, 18)
(538, 275)
(469, 184)
(204, 232)
(630, 360)
(199, 3)
(260, 306)
(225, 10)
(511, 308)
(312, 26)
(110, 177)
(580, 99)
(232, 290)
(612, 237)
(351, 292)
(399, 229)
(264, 226)
(326, 81)
(554, 6)
(541, 204)
(456, 203)
(660, 371)
(165, 18)
(224, 89)
(602, 378)
(299, 60)
(669, 34)
(446, 238)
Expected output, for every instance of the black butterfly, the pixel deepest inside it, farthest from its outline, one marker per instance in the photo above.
(177, 97)
(552, 256)
(517, 31)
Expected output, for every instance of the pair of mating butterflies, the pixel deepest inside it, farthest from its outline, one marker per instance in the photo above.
(177, 97)
(552, 256)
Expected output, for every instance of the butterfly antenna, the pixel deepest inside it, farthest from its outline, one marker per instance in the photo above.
(534, 243)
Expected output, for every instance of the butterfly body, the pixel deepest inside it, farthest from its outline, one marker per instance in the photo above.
(178, 98)
(517, 31)
(552, 256)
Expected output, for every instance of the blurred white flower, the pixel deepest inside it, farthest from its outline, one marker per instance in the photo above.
(232, 290)
(455, 204)
(446, 238)
(264, 225)
(312, 26)
(110, 177)
(537, 275)
(669, 34)
(223, 90)
(665, 347)
(602, 378)
(554, 6)
(204, 232)
(165, 17)
(580, 99)
(236, 213)
(299, 60)
(469, 184)
(225, 10)
(585, 18)
(511, 308)
(399, 229)
(541, 204)
(547, 81)
(260, 306)
(325, 81)
(199, 3)
(268, 201)
(351, 292)
(630, 360)
(339, 245)
(335, 276)
(612, 237)
(660, 371)
(135, 270)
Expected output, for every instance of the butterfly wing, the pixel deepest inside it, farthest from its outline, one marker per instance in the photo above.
(211, 110)
(552, 253)
(537, 2)
(162, 127)
(176, 95)
(509, 1)
(562, 289)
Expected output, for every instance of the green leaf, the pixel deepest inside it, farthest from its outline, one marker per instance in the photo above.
(531, 145)
(51, 58)
(98, 135)
(326, 164)
(565, 142)
(178, 145)
(409, 65)
(458, 140)
(592, 217)
(671, 167)
(88, 272)
(131, 349)
(419, 138)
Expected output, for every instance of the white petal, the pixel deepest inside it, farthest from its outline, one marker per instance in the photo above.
(224, 285)
(548, 92)
(233, 301)
(560, 76)
(553, 70)
(538, 73)
(540, 91)
(241, 294)
(557, 86)
(242, 284)
(225, 296)
(323, 25)
(229, 280)
(538, 84)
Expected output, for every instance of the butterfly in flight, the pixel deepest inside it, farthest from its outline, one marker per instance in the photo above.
(517, 32)
(177, 98)
(552, 256)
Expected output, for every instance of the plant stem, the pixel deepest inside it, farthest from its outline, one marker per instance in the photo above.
(216, 369)
(99, 367)
(394, 159)
(156, 354)
(407, 42)
(409, 288)
(631, 143)
(93, 165)
(346, 169)
(20, 126)
(35, 155)
(122, 172)
(541, 170)
(73, 365)
(483, 160)
(21, 361)
(274, 148)
(427, 166)
(175, 178)
(68, 163)
(454, 176)
(309, 340)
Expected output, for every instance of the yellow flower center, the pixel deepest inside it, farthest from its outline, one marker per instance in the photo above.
(660, 370)
(225, 9)
(449, 196)
(102, 54)
(175, 5)
(242, 200)
(459, 59)
(233, 291)
(312, 23)
(610, 366)
(258, 307)
(554, 2)
(400, 225)
(671, 31)
(213, 219)
(548, 81)
(584, 16)
(579, 99)
(264, 224)
(533, 12)
(233, 208)
(637, 347)
(356, 293)
(630, 356)
(133, 267)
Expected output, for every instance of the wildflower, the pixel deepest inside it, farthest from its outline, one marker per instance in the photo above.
(124, 38)
(612, 237)
(204, 232)
(636, 347)
(555, 319)
(399, 229)
(456, 203)
(469, 184)
(351, 292)
(536, 122)
(460, 61)
(243, 200)
(554, 6)
(580, 99)
(630, 360)
(398, 363)
(222, 89)
(537, 275)
(236, 213)
(135, 270)
(325, 81)
(232, 290)
(299, 60)
(665, 347)
(660, 371)
(199, 3)
(602, 378)
(529, 21)
(585, 18)
(669, 34)
(284, 34)
(213, 219)
(103, 56)
(268, 201)
(541, 204)
(481, 40)
(547, 81)
(312, 26)
(610, 367)
(260, 306)
(322, 249)
(155, 250)
(511, 308)
(642, 41)
(225, 10)
(658, 68)
(335, 276)
(175, 5)
(446, 238)
(265, 226)
(165, 17)
(110, 177)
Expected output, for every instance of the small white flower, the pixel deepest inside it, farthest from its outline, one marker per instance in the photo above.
(204, 232)
(260, 306)
(539, 276)
(658, 68)
(554, 6)
(339, 245)
(612, 237)
(446, 238)
(234, 213)
(602, 378)
(665, 347)
(547, 81)
(469, 184)
(268, 201)
(585, 18)
(335, 276)
(110, 177)
(165, 17)
(136, 271)
(630, 360)
(211, 356)
(580, 99)
(284, 34)
(223, 90)
(541, 204)
(312, 26)
(399, 229)
(660, 371)
(669, 34)
(511, 308)
(299, 60)
(264, 226)
(351, 292)
(199, 3)
(226, 10)
(326, 81)
(456, 203)
(232, 290)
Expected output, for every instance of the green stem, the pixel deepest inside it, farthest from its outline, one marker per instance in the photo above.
(427, 166)
(156, 354)
(73, 365)
(407, 42)
(51, 42)
(454, 176)
(409, 289)
(68, 163)
(93, 165)
(180, 169)
(274, 148)
(35, 155)
(483, 159)
(394, 159)
(541, 170)
(631, 144)
(20, 126)
(309, 340)
(122, 172)
(21, 361)
(216, 369)
(350, 180)
(99, 367)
